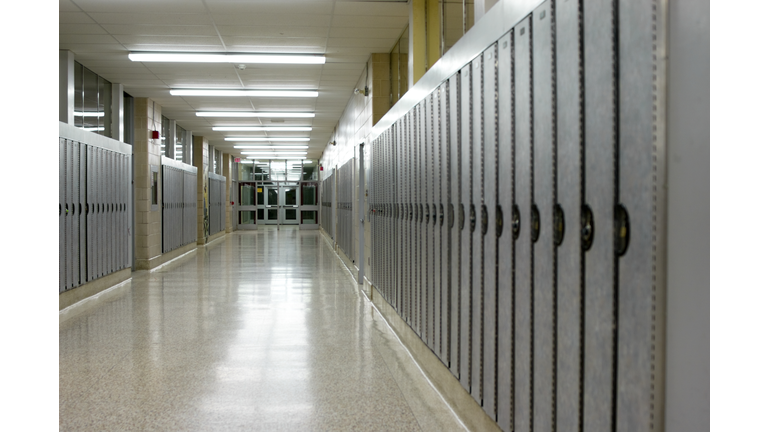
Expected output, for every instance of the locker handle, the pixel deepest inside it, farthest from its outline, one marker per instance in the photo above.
(499, 221)
(442, 215)
(450, 216)
(515, 222)
(535, 223)
(426, 210)
(587, 227)
(472, 218)
(461, 217)
(434, 215)
(621, 229)
(483, 219)
(559, 221)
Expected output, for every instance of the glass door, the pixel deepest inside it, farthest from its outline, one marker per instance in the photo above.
(289, 206)
(247, 217)
(308, 210)
(272, 205)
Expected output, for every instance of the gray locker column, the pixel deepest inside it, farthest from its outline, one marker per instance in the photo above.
(442, 221)
(100, 220)
(62, 214)
(89, 214)
(413, 260)
(434, 188)
(570, 116)
(408, 206)
(429, 253)
(398, 162)
(475, 225)
(489, 226)
(74, 177)
(465, 286)
(506, 262)
(454, 180)
(81, 215)
(70, 238)
(600, 139)
(111, 194)
(543, 205)
(523, 341)
(638, 397)
(421, 171)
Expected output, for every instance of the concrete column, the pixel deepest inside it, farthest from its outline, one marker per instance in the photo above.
(146, 157)
(228, 172)
(200, 160)
(67, 87)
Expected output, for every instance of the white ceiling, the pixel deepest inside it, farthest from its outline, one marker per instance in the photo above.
(101, 33)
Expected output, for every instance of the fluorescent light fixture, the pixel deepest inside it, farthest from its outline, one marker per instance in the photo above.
(275, 139)
(97, 114)
(254, 114)
(273, 147)
(277, 157)
(275, 152)
(263, 128)
(94, 129)
(253, 93)
(227, 58)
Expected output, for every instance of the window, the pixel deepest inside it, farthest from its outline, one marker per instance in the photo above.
(93, 101)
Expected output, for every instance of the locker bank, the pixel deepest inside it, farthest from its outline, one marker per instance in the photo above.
(421, 215)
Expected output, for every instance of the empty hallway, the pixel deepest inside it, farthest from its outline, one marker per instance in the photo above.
(260, 330)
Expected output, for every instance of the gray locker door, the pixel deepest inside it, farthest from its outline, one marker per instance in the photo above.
(638, 405)
(421, 187)
(399, 162)
(506, 263)
(428, 244)
(465, 286)
(442, 223)
(475, 222)
(409, 148)
(489, 225)
(569, 194)
(70, 211)
(433, 246)
(523, 245)
(599, 192)
(81, 215)
(62, 214)
(543, 205)
(454, 176)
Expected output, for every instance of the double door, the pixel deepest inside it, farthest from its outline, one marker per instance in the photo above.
(276, 203)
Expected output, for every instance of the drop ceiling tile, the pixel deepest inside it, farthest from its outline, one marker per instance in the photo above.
(169, 40)
(389, 33)
(360, 42)
(74, 18)
(146, 6)
(284, 19)
(273, 31)
(269, 7)
(80, 29)
(169, 19)
(67, 6)
(86, 39)
(265, 44)
(160, 30)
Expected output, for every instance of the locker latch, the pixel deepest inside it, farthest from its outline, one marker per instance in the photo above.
(587, 227)
(535, 223)
(559, 222)
(515, 222)
(621, 229)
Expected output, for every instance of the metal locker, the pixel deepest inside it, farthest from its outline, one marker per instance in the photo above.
(638, 386)
(110, 199)
(81, 203)
(99, 201)
(542, 222)
(421, 198)
(599, 192)
(506, 262)
(466, 256)
(89, 213)
(443, 122)
(401, 199)
(568, 196)
(428, 244)
(70, 212)
(523, 342)
(62, 214)
(454, 181)
(476, 226)
(74, 213)
(409, 260)
(489, 227)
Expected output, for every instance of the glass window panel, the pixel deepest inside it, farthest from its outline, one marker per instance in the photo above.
(309, 217)
(290, 196)
(290, 214)
(403, 63)
(105, 107)
(308, 194)
(272, 214)
(91, 101)
(272, 196)
(78, 94)
(247, 217)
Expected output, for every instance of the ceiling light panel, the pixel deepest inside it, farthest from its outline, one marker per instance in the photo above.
(254, 114)
(263, 128)
(275, 139)
(226, 58)
(244, 93)
(256, 147)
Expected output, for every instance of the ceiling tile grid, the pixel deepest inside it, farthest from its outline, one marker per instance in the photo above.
(101, 33)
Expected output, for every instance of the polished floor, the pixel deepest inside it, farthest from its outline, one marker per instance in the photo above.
(261, 330)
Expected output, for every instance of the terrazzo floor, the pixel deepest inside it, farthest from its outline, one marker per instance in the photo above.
(261, 330)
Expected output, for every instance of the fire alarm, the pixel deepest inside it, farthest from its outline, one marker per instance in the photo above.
(155, 135)
(321, 167)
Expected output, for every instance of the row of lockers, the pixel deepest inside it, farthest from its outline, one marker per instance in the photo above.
(500, 215)
(327, 200)
(179, 207)
(345, 235)
(94, 213)
(217, 195)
